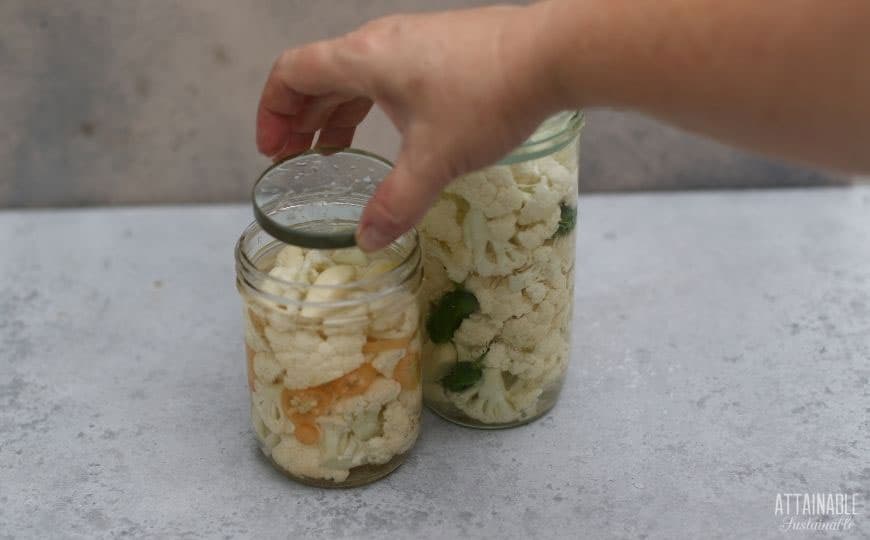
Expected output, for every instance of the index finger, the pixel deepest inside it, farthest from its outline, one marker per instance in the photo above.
(298, 74)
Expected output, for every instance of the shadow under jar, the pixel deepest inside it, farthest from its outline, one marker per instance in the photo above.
(498, 283)
(333, 347)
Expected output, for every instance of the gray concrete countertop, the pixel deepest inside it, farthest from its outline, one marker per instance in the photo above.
(721, 356)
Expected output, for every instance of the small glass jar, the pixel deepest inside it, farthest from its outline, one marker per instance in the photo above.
(333, 349)
(498, 283)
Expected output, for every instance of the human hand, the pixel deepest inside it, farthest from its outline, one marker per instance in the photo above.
(463, 88)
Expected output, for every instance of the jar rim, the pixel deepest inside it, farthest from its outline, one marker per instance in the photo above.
(292, 234)
(397, 277)
(553, 134)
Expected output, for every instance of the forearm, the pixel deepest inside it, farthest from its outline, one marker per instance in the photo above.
(788, 78)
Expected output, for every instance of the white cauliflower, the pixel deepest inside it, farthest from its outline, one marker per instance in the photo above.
(267, 439)
(352, 422)
(311, 360)
(435, 279)
(486, 401)
(475, 333)
(543, 365)
(443, 221)
(540, 206)
(395, 326)
(496, 298)
(535, 235)
(305, 460)
(526, 331)
(549, 265)
(266, 400)
(400, 430)
(456, 258)
(561, 180)
(266, 368)
(490, 257)
(380, 392)
(385, 361)
(492, 191)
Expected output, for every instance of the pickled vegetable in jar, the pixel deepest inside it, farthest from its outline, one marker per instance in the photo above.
(333, 346)
(499, 278)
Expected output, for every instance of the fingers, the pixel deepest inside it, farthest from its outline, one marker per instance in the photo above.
(339, 128)
(304, 88)
(400, 202)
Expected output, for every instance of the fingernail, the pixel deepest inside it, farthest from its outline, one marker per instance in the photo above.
(370, 238)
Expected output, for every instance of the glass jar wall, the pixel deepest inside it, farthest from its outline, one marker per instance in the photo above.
(498, 288)
(333, 349)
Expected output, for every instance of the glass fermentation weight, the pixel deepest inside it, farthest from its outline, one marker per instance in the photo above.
(314, 200)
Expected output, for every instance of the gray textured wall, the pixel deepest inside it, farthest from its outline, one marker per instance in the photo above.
(137, 102)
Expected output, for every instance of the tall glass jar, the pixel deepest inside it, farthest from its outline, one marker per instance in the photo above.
(498, 288)
(333, 349)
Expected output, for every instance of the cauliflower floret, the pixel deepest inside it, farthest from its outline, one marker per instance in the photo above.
(435, 280)
(526, 174)
(496, 298)
(340, 448)
(305, 460)
(534, 236)
(524, 395)
(412, 399)
(493, 191)
(309, 360)
(400, 430)
(526, 331)
(385, 362)
(490, 257)
(443, 222)
(267, 439)
(540, 206)
(456, 258)
(543, 365)
(266, 368)
(475, 333)
(380, 392)
(266, 400)
(354, 421)
(562, 180)
(396, 326)
(550, 267)
(497, 357)
(486, 401)
(502, 229)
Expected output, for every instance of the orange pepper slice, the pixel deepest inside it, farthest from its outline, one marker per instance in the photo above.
(374, 346)
(306, 433)
(320, 398)
(354, 383)
(407, 372)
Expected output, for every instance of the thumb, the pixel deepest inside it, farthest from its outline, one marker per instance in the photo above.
(400, 201)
